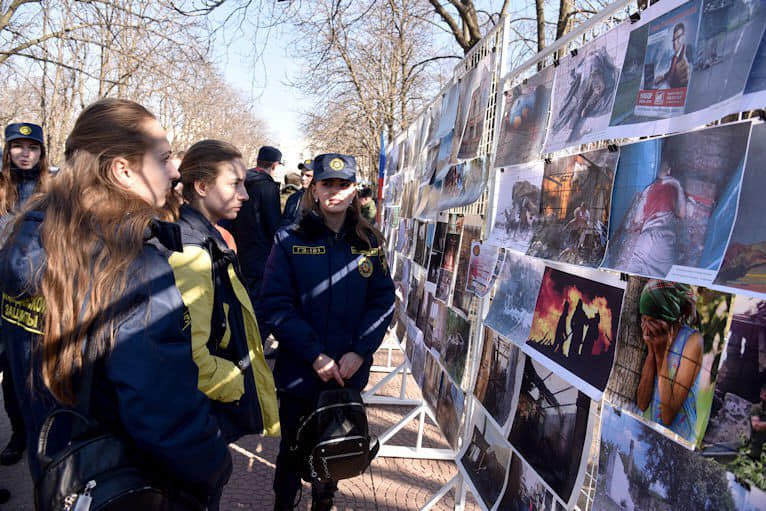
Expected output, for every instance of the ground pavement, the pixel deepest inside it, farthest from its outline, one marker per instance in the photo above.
(400, 484)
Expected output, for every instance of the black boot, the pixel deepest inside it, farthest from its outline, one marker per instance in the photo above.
(13, 451)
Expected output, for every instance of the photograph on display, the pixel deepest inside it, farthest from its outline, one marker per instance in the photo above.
(518, 206)
(434, 113)
(432, 375)
(437, 327)
(481, 268)
(670, 341)
(575, 328)
(510, 313)
(525, 114)
(657, 67)
(414, 295)
(575, 200)
(443, 162)
(674, 203)
(584, 90)
(729, 34)
(755, 90)
(421, 228)
(421, 320)
(449, 264)
(486, 458)
(462, 185)
(462, 300)
(737, 428)
(448, 112)
(499, 376)
(640, 468)
(418, 359)
(449, 411)
(744, 263)
(401, 234)
(437, 252)
(456, 344)
(472, 110)
(550, 428)
(525, 490)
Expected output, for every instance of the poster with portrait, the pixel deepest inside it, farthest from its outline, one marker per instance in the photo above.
(524, 118)
(672, 333)
(744, 262)
(481, 268)
(462, 300)
(457, 341)
(658, 65)
(462, 185)
(735, 433)
(485, 459)
(449, 410)
(510, 313)
(574, 206)
(640, 468)
(584, 90)
(472, 111)
(526, 491)
(674, 203)
(551, 429)
(499, 377)
(574, 328)
(518, 205)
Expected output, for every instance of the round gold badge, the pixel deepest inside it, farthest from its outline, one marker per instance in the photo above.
(337, 164)
(365, 267)
(25, 130)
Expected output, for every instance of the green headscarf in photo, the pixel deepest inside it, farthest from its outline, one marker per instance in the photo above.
(668, 301)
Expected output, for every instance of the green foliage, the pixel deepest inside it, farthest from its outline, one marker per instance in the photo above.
(747, 469)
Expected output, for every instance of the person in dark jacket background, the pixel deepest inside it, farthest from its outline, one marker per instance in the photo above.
(259, 219)
(87, 262)
(292, 206)
(328, 298)
(25, 170)
(226, 344)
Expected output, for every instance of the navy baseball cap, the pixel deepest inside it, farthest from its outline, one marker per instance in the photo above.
(335, 166)
(306, 165)
(26, 130)
(271, 154)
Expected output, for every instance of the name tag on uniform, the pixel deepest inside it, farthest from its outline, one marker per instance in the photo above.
(369, 253)
(301, 250)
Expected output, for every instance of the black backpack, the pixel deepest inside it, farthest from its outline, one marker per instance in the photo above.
(333, 441)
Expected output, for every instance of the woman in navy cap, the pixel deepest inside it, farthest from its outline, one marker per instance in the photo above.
(328, 296)
(25, 169)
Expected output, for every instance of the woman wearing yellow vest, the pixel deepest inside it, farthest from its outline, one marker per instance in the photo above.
(226, 344)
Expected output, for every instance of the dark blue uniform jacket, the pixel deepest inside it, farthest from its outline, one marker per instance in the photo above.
(324, 293)
(145, 388)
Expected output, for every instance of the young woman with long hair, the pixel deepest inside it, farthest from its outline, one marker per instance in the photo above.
(328, 297)
(87, 262)
(24, 171)
(226, 343)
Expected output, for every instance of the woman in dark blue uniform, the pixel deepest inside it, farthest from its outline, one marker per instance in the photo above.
(25, 170)
(328, 296)
(87, 260)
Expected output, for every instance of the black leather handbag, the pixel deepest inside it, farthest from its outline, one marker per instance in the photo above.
(333, 441)
(96, 470)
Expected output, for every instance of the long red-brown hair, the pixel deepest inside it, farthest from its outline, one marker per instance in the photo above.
(9, 195)
(92, 232)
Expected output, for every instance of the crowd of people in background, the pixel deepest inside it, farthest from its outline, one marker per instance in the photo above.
(159, 275)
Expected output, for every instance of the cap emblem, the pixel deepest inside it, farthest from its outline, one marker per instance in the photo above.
(337, 164)
(25, 130)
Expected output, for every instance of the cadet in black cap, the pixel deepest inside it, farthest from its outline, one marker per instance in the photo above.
(25, 169)
(258, 220)
(328, 298)
(290, 213)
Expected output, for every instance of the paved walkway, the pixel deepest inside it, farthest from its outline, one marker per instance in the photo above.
(400, 484)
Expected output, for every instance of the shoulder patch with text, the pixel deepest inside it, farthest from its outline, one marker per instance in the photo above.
(27, 313)
(301, 250)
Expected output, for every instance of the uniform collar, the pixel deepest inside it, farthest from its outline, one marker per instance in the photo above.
(167, 234)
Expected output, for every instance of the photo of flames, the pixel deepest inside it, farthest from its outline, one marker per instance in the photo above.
(575, 326)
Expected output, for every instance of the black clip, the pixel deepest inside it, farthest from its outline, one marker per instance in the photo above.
(547, 160)
(502, 169)
(555, 62)
(612, 148)
(624, 277)
(524, 81)
(574, 52)
(635, 17)
(762, 115)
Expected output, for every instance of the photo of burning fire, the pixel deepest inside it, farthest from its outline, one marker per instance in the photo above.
(575, 327)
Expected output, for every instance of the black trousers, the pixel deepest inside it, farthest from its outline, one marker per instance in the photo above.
(287, 478)
(11, 402)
